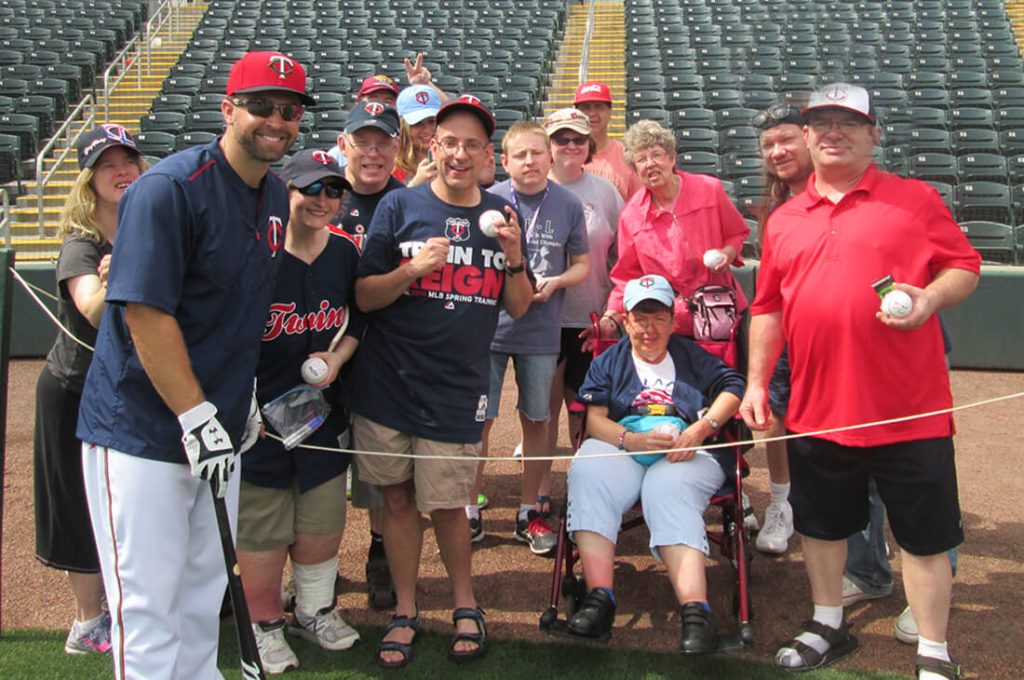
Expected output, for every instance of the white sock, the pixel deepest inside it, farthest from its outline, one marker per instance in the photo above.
(314, 586)
(473, 511)
(780, 493)
(525, 509)
(936, 650)
(829, 616)
(86, 626)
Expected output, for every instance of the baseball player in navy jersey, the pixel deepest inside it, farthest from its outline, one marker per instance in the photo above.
(433, 283)
(167, 398)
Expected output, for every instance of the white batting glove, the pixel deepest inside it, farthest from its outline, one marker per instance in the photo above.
(207, 446)
(253, 425)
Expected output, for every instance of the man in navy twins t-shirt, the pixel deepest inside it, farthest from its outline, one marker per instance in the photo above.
(433, 285)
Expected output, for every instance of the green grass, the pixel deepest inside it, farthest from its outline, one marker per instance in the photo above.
(40, 655)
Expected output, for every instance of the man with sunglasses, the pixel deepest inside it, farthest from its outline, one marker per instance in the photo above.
(166, 403)
(433, 283)
(853, 364)
(370, 145)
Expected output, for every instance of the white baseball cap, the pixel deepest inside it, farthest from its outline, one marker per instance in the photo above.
(842, 96)
(416, 103)
(648, 287)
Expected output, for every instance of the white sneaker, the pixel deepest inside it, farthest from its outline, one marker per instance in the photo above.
(906, 627)
(852, 593)
(276, 656)
(778, 528)
(93, 640)
(518, 451)
(327, 629)
(749, 518)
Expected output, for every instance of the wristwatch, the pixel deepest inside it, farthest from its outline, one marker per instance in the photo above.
(519, 269)
(715, 425)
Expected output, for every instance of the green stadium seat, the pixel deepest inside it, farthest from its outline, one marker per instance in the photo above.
(699, 162)
(988, 201)
(697, 139)
(979, 167)
(994, 241)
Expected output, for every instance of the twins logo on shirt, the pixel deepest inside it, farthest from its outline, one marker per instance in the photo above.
(284, 319)
(456, 229)
(275, 234)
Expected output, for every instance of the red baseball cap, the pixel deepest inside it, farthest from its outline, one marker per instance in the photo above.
(468, 102)
(593, 91)
(376, 83)
(268, 72)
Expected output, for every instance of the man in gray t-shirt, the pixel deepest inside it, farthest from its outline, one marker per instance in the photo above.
(556, 240)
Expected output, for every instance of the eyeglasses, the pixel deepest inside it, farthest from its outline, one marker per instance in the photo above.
(333, 189)
(656, 156)
(264, 108)
(565, 140)
(822, 126)
(777, 114)
(369, 147)
(473, 147)
(646, 322)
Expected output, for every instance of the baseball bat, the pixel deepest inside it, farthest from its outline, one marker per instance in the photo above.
(248, 654)
(341, 331)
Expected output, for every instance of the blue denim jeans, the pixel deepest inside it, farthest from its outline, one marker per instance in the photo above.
(866, 562)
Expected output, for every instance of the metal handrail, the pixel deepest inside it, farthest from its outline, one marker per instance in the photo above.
(121, 64)
(585, 51)
(43, 179)
(5, 216)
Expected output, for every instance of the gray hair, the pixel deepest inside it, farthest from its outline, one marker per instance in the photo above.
(643, 135)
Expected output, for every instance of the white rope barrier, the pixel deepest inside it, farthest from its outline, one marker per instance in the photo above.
(615, 454)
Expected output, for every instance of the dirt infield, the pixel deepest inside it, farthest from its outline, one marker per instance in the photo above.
(986, 627)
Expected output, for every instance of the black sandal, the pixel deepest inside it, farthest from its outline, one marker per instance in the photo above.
(480, 637)
(404, 648)
(946, 669)
(840, 644)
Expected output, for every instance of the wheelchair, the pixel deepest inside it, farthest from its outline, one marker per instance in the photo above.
(733, 540)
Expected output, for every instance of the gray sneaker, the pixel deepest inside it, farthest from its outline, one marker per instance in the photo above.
(94, 640)
(326, 629)
(276, 656)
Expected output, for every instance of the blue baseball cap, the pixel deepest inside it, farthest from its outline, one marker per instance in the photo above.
(416, 103)
(372, 114)
(648, 287)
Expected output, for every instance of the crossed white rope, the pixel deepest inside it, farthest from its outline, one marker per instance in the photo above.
(29, 288)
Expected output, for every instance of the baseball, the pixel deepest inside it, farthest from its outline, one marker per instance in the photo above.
(713, 258)
(314, 370)
(670, 429)
(490, 221)
(897, 304)
(156, 42)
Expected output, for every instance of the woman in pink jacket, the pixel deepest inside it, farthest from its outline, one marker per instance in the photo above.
(671, 227)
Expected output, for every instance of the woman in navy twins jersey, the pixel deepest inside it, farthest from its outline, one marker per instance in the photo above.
(292, 503)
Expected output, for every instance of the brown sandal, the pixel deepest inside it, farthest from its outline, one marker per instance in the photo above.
(946, 669)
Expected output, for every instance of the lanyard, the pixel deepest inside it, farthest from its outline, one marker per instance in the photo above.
(533, 220)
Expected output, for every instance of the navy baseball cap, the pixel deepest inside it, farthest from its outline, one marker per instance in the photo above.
(93, 143)
(648, 287)
(312, 165)
(468, 102)
(372, 114)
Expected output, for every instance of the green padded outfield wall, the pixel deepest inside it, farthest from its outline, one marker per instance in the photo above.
(987, 329)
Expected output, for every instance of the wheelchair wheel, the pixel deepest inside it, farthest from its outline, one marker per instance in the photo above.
(574, 589)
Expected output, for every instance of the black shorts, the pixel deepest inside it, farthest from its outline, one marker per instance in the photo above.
(916, 480)
(577, 362)
(64, 538)
(779, 386)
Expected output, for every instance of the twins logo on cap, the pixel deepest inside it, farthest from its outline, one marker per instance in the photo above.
(374, 108)
(422, 97)
(275, 234)
(646, 282)
(837, 93)
(281, 65)
(118, 133)
(456, 229)
(470, 99)
(321, 157)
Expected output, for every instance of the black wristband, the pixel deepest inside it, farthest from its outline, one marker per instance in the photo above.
(510, 270)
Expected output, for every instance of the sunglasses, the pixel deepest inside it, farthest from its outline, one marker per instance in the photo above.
(565, 140)
(264, 108)
(777, 114)
(333, 189)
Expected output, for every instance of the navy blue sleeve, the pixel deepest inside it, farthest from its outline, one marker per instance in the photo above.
(597, 386)
(151, 250)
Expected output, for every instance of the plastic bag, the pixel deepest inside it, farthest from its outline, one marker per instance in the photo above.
(297, 413)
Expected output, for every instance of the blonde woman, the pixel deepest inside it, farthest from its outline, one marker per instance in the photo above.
(109, 163)
(417, 106)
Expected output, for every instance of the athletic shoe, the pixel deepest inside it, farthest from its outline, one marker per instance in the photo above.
(476, 529)
(327, 629)
(852, 593)
(698, 629)
(95, 640)
(778, 528)
(518, 451)
(750, 522)
(276, 656)
(536, 532)
(906, 627)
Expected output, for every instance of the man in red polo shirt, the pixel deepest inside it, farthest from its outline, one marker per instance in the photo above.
(852, 363)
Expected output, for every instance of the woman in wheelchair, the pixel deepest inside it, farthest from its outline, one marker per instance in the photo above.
(647, 393)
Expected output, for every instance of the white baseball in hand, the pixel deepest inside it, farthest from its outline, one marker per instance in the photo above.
(670, 429)
(713, 258)
(490, 221)
(897, 304)
(314, 370)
